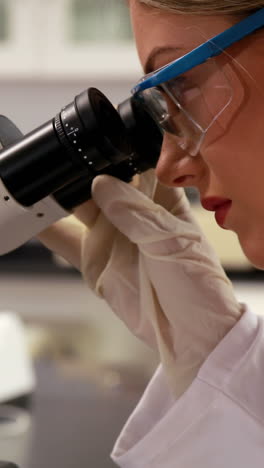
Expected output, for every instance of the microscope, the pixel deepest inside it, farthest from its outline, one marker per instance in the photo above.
(47, 173)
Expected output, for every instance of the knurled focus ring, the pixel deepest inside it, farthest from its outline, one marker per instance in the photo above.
(61, 134)
(65, 142)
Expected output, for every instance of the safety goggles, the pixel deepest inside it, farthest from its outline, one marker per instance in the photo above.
(189, 94)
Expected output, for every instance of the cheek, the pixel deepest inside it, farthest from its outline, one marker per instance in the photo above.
(239, 127)
(236, 155)
(232, 99)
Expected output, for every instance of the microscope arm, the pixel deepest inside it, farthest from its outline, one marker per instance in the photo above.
(18, 224)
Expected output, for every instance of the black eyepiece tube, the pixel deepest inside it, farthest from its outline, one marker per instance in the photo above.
(145, 139)
(36, 165)
(5, 464)
(87, 136)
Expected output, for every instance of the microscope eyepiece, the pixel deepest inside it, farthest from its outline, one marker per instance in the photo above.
(91, 128)
(88, 137)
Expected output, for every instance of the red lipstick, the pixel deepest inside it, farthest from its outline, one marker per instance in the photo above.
(221, 207)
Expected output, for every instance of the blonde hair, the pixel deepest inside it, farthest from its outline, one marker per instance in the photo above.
(210, 7)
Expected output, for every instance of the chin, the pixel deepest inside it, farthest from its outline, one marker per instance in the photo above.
(254, 251)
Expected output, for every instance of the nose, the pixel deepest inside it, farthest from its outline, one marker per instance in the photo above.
(176, 168)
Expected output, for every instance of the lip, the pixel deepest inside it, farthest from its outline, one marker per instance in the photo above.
(220, 206)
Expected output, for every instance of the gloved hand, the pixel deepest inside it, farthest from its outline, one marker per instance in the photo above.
(146, 255)
(65, 236)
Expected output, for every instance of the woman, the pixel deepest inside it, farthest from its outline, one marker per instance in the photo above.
(145, 254)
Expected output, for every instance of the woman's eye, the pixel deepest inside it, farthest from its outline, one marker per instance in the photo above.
(159, 89)
(178, 85)
(185, 92)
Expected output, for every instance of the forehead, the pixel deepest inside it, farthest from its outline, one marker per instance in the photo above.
(154, 28)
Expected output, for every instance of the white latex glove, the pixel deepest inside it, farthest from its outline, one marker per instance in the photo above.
(65, 236)
(154, 267)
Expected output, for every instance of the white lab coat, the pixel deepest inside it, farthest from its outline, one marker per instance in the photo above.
(217, 423)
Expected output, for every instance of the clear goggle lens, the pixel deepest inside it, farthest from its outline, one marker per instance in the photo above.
(188, 105)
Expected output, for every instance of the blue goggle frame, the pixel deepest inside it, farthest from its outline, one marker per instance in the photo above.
(208, 49)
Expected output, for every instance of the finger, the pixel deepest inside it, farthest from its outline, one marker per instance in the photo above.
(133, 213)
(87, 213)
(173, 199)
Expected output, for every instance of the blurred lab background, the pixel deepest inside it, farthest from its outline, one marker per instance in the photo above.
(89, 372)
